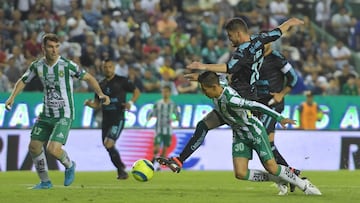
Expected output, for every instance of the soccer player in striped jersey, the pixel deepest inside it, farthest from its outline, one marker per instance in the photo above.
(113, 115)
(53, 124)
(248, 134)
(165, 111)
(277, 78)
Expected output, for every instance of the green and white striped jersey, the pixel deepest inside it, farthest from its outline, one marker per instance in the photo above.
(164, 113)
(236, 111)
(58, 85)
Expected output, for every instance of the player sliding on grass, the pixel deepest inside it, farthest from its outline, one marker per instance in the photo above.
(248, 134)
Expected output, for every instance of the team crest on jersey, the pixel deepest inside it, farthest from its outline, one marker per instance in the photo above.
(61, 73)
(40, 74)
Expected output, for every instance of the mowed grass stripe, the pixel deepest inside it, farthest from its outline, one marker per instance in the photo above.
(185, 187)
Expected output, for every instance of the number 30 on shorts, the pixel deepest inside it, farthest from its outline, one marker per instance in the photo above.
(239, 147)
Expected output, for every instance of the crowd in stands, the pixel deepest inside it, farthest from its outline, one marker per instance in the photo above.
(152, 41)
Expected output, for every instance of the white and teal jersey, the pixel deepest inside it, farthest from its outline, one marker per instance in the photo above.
(236, 111)
(58, 85)
(164, 113)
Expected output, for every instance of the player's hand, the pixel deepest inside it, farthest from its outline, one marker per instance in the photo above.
(9, 103)
(127, 105)
(285, 121)
(192, 76)
(196, 65)
(105, 99)
(295, 21)
(277, 98)
(88, 102)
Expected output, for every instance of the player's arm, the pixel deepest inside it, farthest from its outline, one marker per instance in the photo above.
(135, 95)
(291, 80)
(289, 23)
(95, 104)
(96, 87)
(256, 106)
(19, 86)
(219, 68)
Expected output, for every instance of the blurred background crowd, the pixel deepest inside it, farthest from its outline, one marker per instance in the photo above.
(151, 41)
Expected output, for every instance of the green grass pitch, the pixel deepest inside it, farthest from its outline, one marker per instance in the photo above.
(185, 187)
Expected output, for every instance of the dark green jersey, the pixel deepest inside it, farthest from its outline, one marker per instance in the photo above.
(236, 111)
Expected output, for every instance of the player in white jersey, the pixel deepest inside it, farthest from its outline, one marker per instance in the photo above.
(53, 124)
(165, 111)
(248, 134)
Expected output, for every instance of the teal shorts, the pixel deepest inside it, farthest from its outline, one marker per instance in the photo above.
(245, 142)
(51, 129)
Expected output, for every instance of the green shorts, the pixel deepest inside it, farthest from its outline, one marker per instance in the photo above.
(51, 129)
(245, 142)
(164, 139)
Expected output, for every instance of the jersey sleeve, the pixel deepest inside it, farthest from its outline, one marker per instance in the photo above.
(270, 36)
(255, 106)
(290, 75)
(29, 74)
(75, 70)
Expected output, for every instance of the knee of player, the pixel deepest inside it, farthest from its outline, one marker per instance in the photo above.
(271, 166)
(53, 149)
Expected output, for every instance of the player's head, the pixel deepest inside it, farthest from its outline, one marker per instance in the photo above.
(166, 91)
(108, 68)
(209, 82)
(237, 31)
(50, 46)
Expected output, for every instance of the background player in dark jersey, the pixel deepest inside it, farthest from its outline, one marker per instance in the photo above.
(277, 78)
(113, 115)
(244, 66)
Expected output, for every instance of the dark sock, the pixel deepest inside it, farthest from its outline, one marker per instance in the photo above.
(278, 158)
(115, 158)
(195, 141)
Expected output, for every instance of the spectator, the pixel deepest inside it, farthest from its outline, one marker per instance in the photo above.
(122, 67)
(151, 82)
(166, 25)
(350, 88)
(341, 54)
(279, 10)
(340, 24)
(120, 27)
(323, 13)
(333, 87)
(5, 85)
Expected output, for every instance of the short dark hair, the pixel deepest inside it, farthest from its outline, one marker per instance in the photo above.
(50, 37)
(208, 78)
(167, 87)
(236, 24)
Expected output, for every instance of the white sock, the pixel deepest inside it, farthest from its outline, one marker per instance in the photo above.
(261, 176)
(289, 176)
(41, 166)
(65, 160)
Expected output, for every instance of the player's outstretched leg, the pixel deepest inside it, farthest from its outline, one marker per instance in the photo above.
(173, 163)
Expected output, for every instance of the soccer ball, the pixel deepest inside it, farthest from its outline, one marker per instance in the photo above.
(142, 170)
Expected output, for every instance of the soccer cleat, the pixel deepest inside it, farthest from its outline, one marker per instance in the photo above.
(173, 163)
(283, 189)
(310, 189)
(70, 174)
(122, 175)
(297, 173)
(43, 185)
